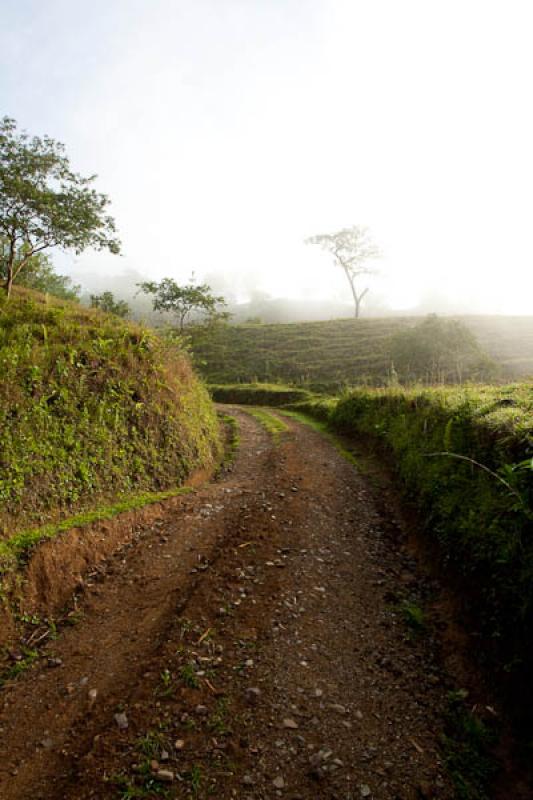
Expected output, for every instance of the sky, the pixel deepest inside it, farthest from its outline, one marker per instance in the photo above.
(226, 132)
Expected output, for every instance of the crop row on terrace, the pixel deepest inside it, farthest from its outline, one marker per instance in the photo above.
(334, 353)
(465, 459)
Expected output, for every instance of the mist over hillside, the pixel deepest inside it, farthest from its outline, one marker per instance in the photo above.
(247, 303)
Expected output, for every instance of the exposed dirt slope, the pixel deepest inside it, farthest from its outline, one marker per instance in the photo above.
(248, 644)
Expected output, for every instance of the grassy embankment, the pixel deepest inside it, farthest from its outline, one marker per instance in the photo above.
(94, 412)
(328, 355)
(465, 459)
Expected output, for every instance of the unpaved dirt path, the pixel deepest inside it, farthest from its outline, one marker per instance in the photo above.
(250, 644)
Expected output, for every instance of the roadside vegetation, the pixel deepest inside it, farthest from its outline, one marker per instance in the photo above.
(465, 458)
(92, 409)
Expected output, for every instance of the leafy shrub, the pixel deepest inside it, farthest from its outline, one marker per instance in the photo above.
(257, 394)
(439, 351)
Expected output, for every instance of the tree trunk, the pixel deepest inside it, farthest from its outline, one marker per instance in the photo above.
(10, 268)
(9, 282)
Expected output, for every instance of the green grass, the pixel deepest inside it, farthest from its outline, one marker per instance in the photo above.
(328, 355)
(232, 440)
(322, 427)
(269, 422)
(15, 549)
(92, 408)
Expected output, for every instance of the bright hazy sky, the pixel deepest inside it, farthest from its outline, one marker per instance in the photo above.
(227, 131)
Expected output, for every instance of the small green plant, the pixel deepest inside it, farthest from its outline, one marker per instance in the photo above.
(413, 616)
(189, 677)
(195, 777)
(218, 721)
(11, 673)
(74, 618)
(29, 619)
(166, 687)
(466, 744)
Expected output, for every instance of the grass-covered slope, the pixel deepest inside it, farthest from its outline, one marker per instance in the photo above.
(91, 408)
(317, 353)
(339, 352)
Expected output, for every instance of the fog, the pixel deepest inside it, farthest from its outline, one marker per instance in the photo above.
(226, 132)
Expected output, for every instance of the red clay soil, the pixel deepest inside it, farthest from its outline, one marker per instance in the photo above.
(249, 643)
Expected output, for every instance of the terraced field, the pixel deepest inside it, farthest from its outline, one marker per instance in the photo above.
(332, 353)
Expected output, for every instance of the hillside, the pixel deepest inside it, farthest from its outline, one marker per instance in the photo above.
(91, 408)
(342, 351)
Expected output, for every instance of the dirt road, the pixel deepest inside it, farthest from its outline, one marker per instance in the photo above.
(260, 641)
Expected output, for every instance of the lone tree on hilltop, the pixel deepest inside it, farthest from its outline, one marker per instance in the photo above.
(182, 301)
(44, 204)
(351, 249)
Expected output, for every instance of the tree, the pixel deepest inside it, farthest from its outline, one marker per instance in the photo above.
(107, 302)
(44, 204)
(39, 274)
(439, 350)
(182, 301)
(351, 248)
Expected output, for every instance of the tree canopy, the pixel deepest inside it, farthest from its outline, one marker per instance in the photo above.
(184, 301)
(44, 204)
(352, 249)
(108, 303)
(39, 274)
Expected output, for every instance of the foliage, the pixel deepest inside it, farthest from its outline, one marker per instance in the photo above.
(91, 408)
(439, 351)
(39, 274)
(44, 204)
(107, 302)
(351, 249)
(327, 356)
(258, 394)
(183, 301)
(467, 744)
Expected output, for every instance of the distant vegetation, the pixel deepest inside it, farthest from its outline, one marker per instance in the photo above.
(108, 302)
(40, 274)
(185, 303)
(437, 351)
(327, 356)
(91, 408)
